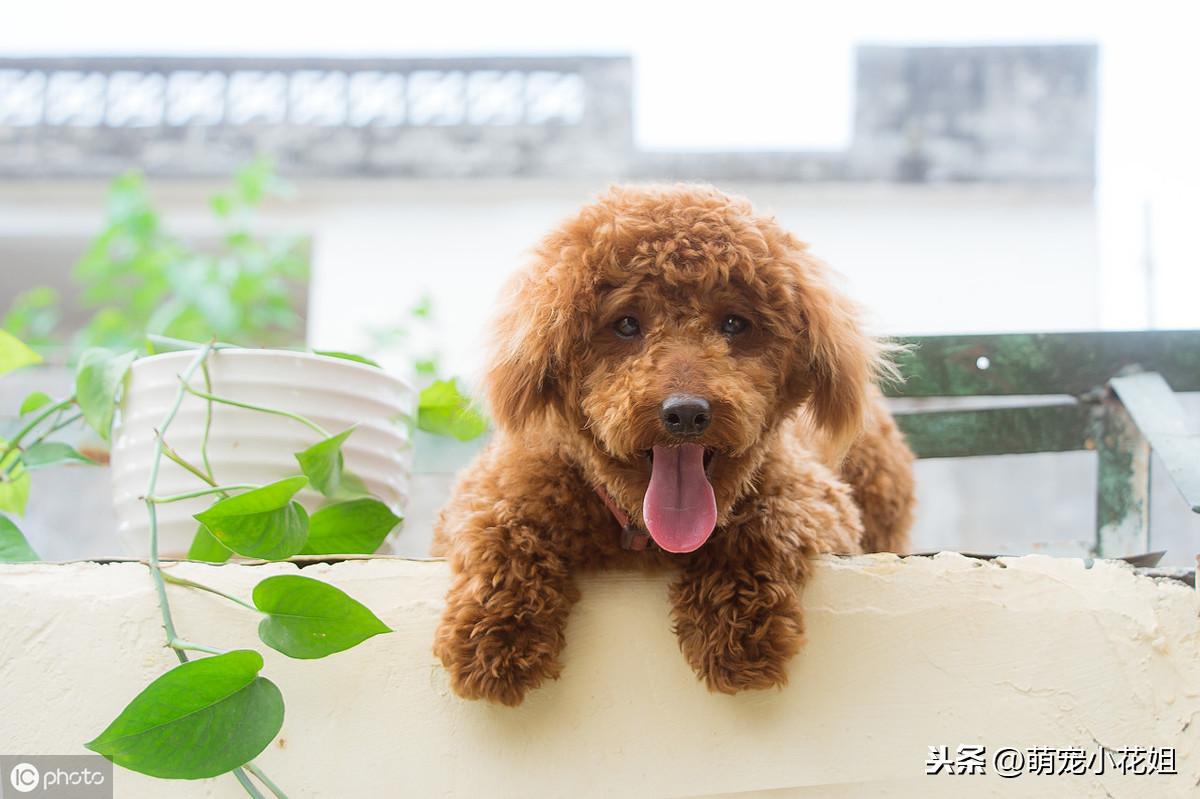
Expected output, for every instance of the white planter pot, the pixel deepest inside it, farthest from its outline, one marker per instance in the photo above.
(250, 447)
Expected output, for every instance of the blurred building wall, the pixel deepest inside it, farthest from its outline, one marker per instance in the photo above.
(920, 258)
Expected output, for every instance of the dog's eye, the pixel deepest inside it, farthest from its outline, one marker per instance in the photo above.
(627, 327)
(731, 325)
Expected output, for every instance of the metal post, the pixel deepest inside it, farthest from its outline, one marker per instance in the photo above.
(1123, 483)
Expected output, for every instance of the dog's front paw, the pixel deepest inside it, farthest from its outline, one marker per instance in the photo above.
(494, 656)
(737, 631)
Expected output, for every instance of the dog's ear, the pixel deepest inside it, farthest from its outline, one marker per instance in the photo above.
(530, 342)
(837, 362)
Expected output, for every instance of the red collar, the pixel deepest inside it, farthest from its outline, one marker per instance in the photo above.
(631, 536)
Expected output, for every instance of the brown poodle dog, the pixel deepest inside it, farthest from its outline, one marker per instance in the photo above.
(673, 364)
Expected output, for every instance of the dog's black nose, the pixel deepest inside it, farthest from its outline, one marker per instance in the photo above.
(685, 414)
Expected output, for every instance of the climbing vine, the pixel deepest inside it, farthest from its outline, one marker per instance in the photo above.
(211, 715)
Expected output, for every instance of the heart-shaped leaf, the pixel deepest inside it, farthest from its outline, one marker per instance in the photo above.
(322, 463)
(14, 482)
(200, 719)
(264, 523)
(38, 399)
(14, 354)
(307, 618)
(351, 487)
(13, 546)
(207, 548)
(355, 527)
(97, 378)
(52, 453)
(442, 409)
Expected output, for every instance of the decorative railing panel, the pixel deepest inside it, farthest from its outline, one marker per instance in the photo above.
(409, 117)
(922, 115)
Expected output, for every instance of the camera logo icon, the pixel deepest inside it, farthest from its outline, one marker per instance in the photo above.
(24, 777)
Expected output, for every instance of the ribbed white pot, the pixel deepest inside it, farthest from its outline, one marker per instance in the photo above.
(250, 447)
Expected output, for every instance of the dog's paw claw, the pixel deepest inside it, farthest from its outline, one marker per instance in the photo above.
(500, 665)
(739, 648)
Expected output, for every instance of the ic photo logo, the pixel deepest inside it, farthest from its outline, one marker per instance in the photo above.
(56, 777)
(24, 777)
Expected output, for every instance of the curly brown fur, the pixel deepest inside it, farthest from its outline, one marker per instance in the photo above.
(805, 458)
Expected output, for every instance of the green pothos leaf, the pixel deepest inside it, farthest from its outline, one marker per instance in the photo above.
(307, 618)
(97, 377)
(344, 528)
(14, 481)
(348, 356)
(444, 410)
(14, 354)
(206, 547)
(263, 523)
(52, 453)
(13, 546)
(322, 463)
(38, 399)
(200, 719)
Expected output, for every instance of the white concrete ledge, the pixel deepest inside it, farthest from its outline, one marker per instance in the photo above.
(902, 654)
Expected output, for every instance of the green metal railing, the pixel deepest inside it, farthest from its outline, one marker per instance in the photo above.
(1117, 398)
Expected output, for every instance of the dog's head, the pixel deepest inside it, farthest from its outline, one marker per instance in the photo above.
(663, 334)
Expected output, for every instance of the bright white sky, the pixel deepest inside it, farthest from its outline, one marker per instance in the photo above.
(747, 74)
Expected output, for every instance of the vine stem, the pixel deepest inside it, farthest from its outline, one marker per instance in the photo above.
(235, 403)
(168, 344)
(150, 498)
(170, 578)
(178, 460)
(156, 572)
(208, 416)
(58, 425)
(180, 645)
(14, 445)
(70, 420)
(155, 569)
(35, 421)
(257, 772)
(247, 784)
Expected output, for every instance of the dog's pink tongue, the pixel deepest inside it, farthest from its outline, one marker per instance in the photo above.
(680, 508)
